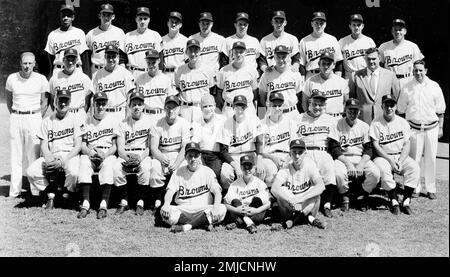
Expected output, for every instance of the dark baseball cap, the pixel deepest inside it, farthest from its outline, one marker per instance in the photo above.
(71, 52)
(172, 98)
(205, 16)
(176, 14)
(107, 8)
(151, 54)
(319, 15)
(398, 22)
(101, 95)
(352, 103)
(137, 95)
(327, 55)
(240, 100)
(297, 144)
(281, 49)
(193, 42)
(66, 7)
(356, 17)
(248, 159)
(279, 14)
(388, 98)
(276, 96)
(63, 93)
(111, 48)
(239, 44)
(242, 16)
(192, 146)
(143, 10)
(318, 94)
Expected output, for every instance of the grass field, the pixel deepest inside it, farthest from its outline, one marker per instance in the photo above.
(36, 232)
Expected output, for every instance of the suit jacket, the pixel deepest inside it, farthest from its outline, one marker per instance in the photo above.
(371, 100)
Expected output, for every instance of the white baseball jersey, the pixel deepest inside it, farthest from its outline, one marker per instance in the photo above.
(246, 192)
(115, 84)
(97, 40)
(60, 133)
(240, 137)
(390, 135)
(235, 82)
(171, 137)
(311, 48)
(136, 44)
(210, 47)
(400, 58)
(335, 89)
(353, 138)
(135, 132)
(155, 89)
(288, 83)
(205, 133)
(100, 133)
(59, 41)
(315, 131)
(193, 189)
(194, 83)
(78, 83)
(353, 51)
(269, 42)
(26, 93)
(174, 50)
(278, 135)
(251, 53)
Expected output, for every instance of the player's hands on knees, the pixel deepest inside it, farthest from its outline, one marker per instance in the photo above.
(165, 210)
(359, 170)
(249, 211)
(172, 167)
(215, 213)
(441, 133)
(351, 170)
(165, 161)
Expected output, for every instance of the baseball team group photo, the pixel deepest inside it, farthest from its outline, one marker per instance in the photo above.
(156, 140)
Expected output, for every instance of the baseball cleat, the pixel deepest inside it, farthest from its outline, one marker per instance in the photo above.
(210, 228)
(50, 204)
(276, 227)
(407, 210)
(252, 229)
(83, 213)
(176, 228)
(319, 224)
(231, 226)
(139, 210)
(431, 195)
(395, 210)
(327, 212)
(345, 206)
(121, 210)
(101, 214)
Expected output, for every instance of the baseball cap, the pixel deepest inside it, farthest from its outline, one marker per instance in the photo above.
(279, 14)
(142, 10)
(318, 94)
(111, 48)
(205, 16)
(192, 42)
(63, 93)
(297, 143)
(192, 146)
(240, 99)
(71, 52)
(176, 14)
(207, 99)
(276, 96)
(356, 17)
(101, 95)
(387, 98)
(239, 44)
(352, 103)
(327, 55)
(399, 22)
(319, 15)
(107, 8)
(151, 54)
(247, 159)
(242, 15)
(137, 95)
(66, 7)
(172, 98)
(281, 49)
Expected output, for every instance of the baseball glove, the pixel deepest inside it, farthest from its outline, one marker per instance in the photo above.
(132, 164)
(96, 160)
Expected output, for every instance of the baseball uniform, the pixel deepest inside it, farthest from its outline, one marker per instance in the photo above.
(210, 48)
(269, 42)
(174, 54)
(252, 52)
(353, 52)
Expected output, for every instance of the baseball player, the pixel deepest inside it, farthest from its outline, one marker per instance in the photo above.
(247, 199)
(354, 46)
(98, 38)
(133, 136)
(154, 85)
(60, 140)
(169, 135)
(281, 80)
(278, 130)
(279, 37)
(74, 80)
(173, 45)
(197, 195)
(98, 149)
(137, 42)
(353, 158)
(391, 135)
(399, 54)
(116, 81)
(253, 48)
(318, 130)
(193, 80)
(241, 134)
(63, 38)
(334, 87)
(235, 79)
(26, 99)
(297, 188)
(313, 45)
(423, 103)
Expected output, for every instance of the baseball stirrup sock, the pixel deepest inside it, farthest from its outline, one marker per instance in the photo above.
(85, 189)
(199, 220)
(183, 219)
(407, 195)
(328, 194)
(106, 192)
(123, 192)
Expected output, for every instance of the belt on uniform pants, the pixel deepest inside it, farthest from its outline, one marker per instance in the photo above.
(335, 114)
(231, 105)
(96, 66)
(75, 110)
(289, 109)
(396, 153)
(102, 147)
(136, 68)
(62, 66)
(169, 69)
(153, 111)
(401, 76)
(280, 151)
(423, 127)
(134, 149)
(314, 71)
(321, 148)
(25, 112)
(350, 154)
(190, 104)
(114, 109)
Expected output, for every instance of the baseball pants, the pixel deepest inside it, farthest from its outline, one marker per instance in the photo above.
(410, 172)
(38, 182)
(325, 164)
(271, 169)
(158, 172)
(190, 212)
(191, 113)
(310, 205)
(80, 115)
(425, 142)
(256, 203)
(24, 147)
(143, 176)
(371, 174)
(105, 172)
